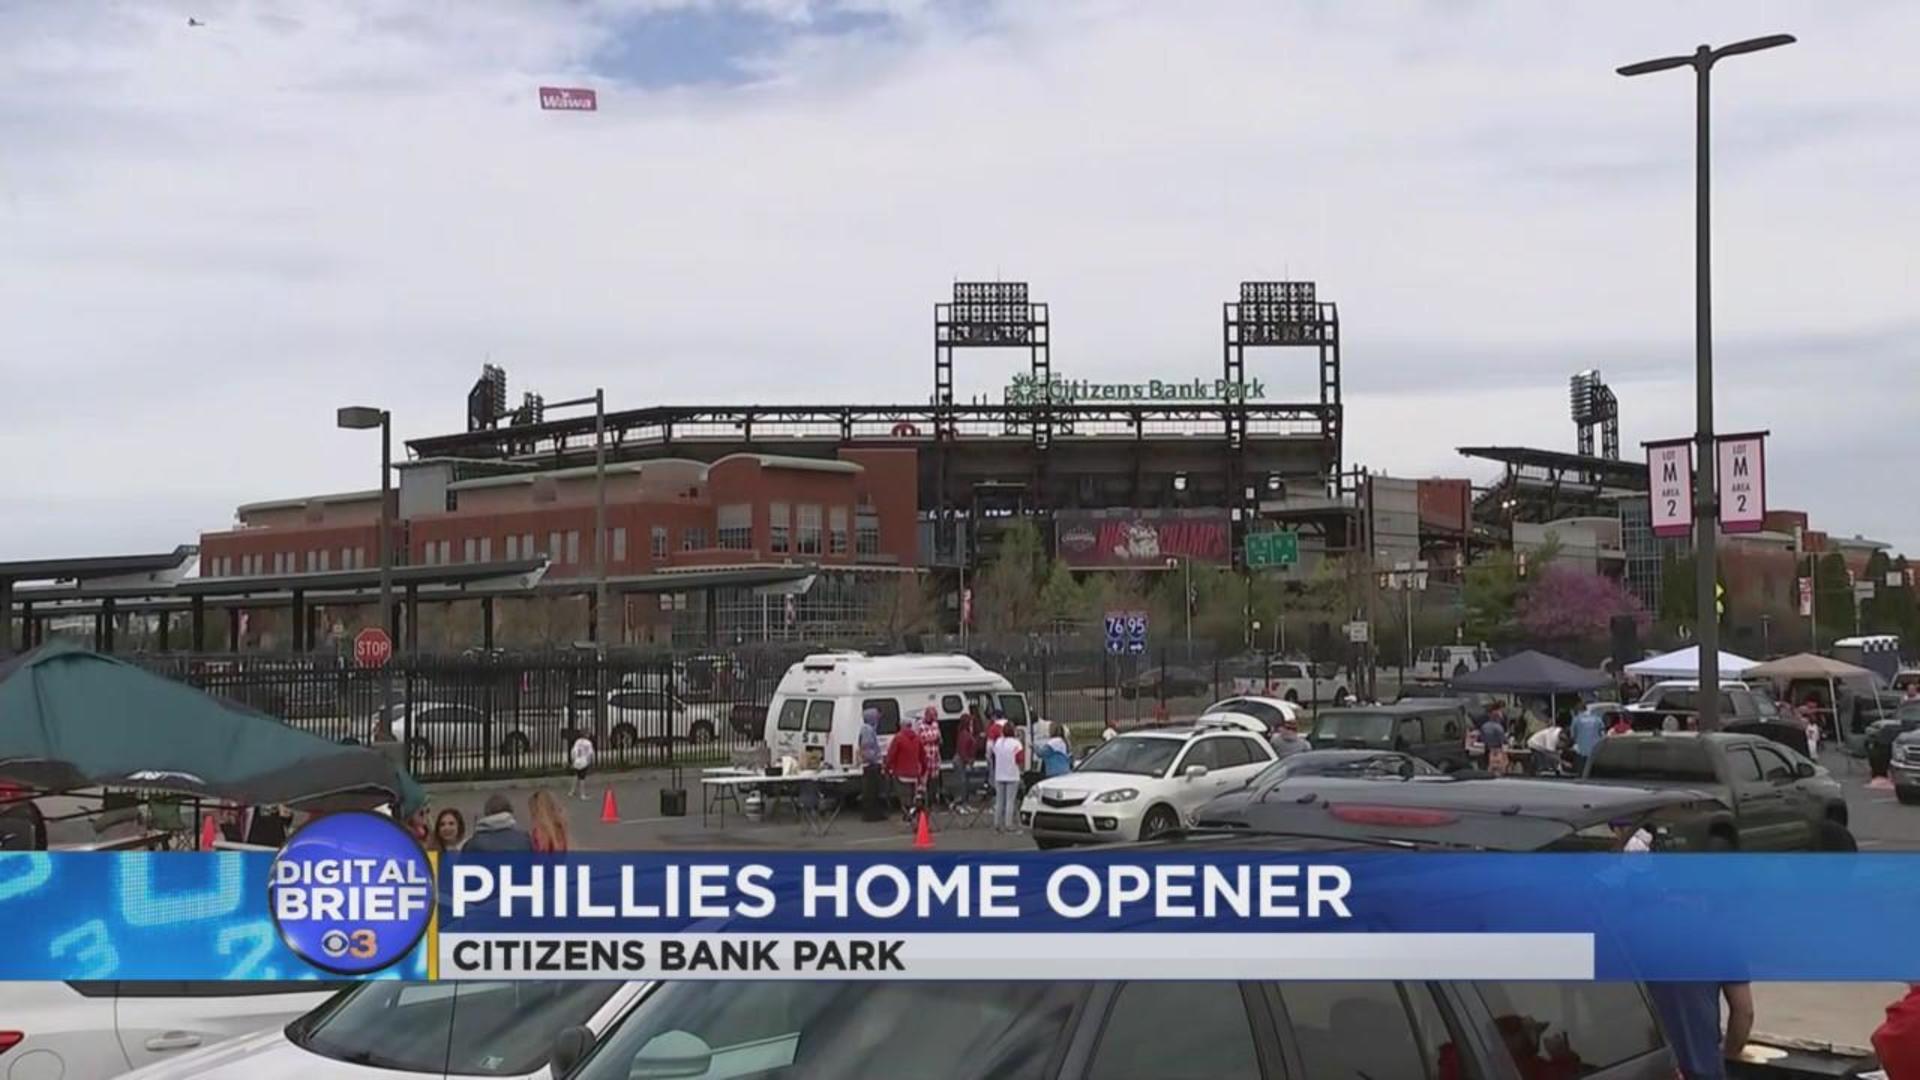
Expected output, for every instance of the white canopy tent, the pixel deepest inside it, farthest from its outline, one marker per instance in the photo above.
(1685, 664)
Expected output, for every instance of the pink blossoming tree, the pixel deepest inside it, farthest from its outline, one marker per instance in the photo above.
(1568, 604)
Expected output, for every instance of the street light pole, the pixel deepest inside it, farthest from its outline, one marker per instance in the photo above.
(600, 520)
(1705, 495)
(364, 418)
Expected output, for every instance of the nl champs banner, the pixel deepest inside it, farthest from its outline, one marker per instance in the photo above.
(360, 900)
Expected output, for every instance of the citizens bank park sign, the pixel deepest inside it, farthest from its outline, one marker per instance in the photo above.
(1027, 390)
(1087, 540)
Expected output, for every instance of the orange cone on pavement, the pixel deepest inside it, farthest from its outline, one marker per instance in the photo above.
(209, 833)
(922, 834)
(609, 813)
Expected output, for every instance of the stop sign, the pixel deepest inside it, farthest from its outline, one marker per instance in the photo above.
(372, 647)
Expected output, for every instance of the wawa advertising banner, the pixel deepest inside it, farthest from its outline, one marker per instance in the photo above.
(1090, 540)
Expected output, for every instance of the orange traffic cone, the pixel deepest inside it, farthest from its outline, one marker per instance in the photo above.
(923, 834)
(209, 833)
(609, 813)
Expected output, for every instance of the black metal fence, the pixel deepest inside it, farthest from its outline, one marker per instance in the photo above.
(503, 715)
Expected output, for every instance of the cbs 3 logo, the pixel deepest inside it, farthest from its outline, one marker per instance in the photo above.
(359, 944)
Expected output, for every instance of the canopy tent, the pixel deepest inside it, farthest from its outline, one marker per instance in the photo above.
(72, 719)
(1685, 664)
(1531, 673)
(1809, 666)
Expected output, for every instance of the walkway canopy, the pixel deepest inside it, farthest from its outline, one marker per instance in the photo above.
(1531, 673)
(1685, 664)
(72, 719)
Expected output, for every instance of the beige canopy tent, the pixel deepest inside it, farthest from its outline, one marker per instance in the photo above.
(1810, 667)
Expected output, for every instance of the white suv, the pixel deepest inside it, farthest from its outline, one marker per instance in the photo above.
(94, 1030)
(1145, 783)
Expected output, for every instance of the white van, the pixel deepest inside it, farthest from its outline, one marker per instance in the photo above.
(819, 701)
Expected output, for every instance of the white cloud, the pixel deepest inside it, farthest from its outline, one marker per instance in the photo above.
(214, 235)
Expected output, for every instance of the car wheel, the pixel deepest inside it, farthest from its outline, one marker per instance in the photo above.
(1720, 840)
(623, 737)
(1159, 821)
(1293, 697)
(1833, 836)
(1340, 698)
(515, 744)
(1907, 795)
(419, 749)
(1459, 669)
(701, 732)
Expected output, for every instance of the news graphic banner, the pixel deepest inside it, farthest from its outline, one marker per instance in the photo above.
(335, 910)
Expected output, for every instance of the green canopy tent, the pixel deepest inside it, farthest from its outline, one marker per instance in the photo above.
(72, 719)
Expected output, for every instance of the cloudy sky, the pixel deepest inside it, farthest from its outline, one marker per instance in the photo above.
(211, 236)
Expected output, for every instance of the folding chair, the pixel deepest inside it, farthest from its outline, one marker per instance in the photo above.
(819, 803)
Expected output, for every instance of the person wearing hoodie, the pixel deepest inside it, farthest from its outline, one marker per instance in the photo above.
(1896, 1042)
(907, 765)
(497, 830)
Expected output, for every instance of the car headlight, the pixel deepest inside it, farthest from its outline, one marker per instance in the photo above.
(1125, 794)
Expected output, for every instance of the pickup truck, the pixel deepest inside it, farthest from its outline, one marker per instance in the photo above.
(1780, 801)
(1680, 699)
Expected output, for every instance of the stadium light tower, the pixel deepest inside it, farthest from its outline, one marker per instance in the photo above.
(1705, 500)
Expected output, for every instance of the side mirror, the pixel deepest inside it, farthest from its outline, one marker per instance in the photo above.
(673, 1054)
(1805, 770)
(570, 1047)
(1195, 772)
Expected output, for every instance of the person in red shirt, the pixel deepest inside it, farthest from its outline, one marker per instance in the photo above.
(906, 763)
(1896, 1042)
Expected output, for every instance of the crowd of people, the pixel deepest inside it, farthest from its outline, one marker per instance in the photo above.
(497, 829)
(989, 754)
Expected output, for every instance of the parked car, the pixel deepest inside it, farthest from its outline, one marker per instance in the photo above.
(1431, 729)
(1780, 800)
(1269, 711)
(1296, 681)
(661, 716)
(1162, 1029)
(1359, 764)
(1680, 699)
(1443, 662)
(439, 727)
(94, 1030)
(1167, 682)
(1882, 735)
(392, 1029)
(1142, 784)
(1903, 756)
(1465, 811)
(1903, 680)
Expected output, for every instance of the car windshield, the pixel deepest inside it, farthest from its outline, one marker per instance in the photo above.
(1270, 715)
(468, 1028)
(1908, 713)
(1356, 726)
(846, 1031)
(1141, 756)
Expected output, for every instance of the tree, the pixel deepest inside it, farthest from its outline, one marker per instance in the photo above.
(1833, 598)
(1062, 600)
(1006, 594)
(1568, 604)
(1491, 591)
(905, 605)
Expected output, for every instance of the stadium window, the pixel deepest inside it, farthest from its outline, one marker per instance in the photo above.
(446, 552)
(573, 546)
(809, 530)
(620, 544)
(866, 538)
(779, 524)
(736, 526)
(526, 546)
(554, 550)
(659, 541)
(837, 530)
(359, 558)
(693, 538)
(468, 550)
(326, 558)
(513, 546)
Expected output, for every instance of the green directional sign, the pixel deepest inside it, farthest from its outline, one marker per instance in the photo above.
(1266, 550)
